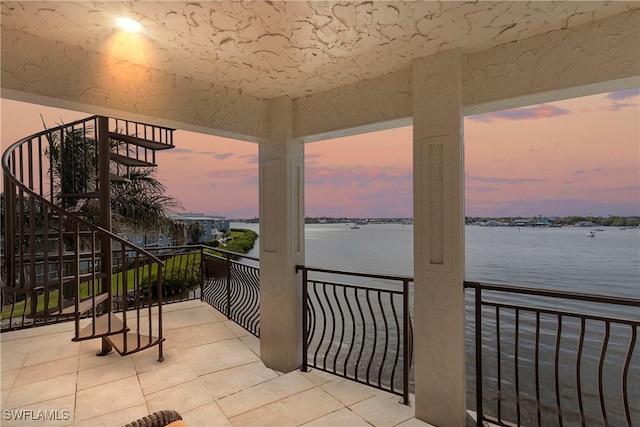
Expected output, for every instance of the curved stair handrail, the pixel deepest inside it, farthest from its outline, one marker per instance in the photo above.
(53, 263)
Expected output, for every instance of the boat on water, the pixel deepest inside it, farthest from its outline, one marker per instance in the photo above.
(354, 227)
(591, 234)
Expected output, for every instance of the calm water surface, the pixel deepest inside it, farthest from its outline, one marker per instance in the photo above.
(547, 258)
(552, 258)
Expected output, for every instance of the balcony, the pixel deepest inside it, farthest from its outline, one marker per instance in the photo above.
(546, 358)
(211, 375)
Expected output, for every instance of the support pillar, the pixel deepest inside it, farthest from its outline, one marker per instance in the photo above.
(281, 240)
(438, 176)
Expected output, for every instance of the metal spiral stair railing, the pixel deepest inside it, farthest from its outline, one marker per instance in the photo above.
(58, 261)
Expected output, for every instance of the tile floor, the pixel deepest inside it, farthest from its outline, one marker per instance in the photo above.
(211, 374)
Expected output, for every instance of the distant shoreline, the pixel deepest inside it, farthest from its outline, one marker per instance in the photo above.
(539, 221)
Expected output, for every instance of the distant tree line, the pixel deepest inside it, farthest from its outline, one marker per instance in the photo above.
(611, 220)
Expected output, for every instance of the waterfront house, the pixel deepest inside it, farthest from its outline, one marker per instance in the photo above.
(283, 74)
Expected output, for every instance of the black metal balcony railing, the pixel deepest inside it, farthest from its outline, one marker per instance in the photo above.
(535, 357)
(550, 358)
(356, 331)
(233, 288)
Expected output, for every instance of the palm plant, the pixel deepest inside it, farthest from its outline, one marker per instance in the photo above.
(137, 204)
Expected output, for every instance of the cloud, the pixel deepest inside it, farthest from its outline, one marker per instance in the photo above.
(479, 189)
(252, 159)
(178, 150)
(624, 94)
(578, 172)
(358, 175)
(499, 180)
(247, 175)
(549, 207)
(628, 95)
(222, 156)
(542, 111)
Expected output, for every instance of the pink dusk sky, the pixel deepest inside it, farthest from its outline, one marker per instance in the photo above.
(574, 157)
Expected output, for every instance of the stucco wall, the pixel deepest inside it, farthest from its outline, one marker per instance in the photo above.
(38, 70)
(594, 57)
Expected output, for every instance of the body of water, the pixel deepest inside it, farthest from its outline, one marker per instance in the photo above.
(550, 258)
(565, 259)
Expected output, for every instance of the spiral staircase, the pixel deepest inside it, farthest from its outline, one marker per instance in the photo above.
(60, 258)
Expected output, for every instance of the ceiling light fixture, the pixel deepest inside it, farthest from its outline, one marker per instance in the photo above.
(128, 24)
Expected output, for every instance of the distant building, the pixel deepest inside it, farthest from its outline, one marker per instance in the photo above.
(214, 228)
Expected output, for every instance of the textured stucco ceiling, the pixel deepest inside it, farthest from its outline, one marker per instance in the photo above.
(274, 48)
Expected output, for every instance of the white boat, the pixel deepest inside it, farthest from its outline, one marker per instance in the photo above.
(354, 227)
(591, 234)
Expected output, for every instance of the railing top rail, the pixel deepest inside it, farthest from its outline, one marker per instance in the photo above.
(12, 147)
(224, 251)
(143, 124)
(200, 247)
(352, 273)
(632, 302)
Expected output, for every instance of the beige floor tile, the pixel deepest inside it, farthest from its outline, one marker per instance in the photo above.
(119, 368)
(414, 422)
(49, 354)
(319, 377)
(21, 346)
(192, 336)
(252, 342)
(181, 398)
(116, 418)
(218, 356)
(44, 371)
(232, 380)
(291, 411)
(349, 392)
(185, 305)
(8, 378)
(90, 360)
(39, 331)
(340, 418)
(197, 315)
(383, 410)
(148, 360)
(54, 412)
(264, 393)
(208, 415)
(3, 397)
(10, 361)
(90, 346)
(54, 340)
(238, 330)
(41, 391)
(165, 377)
(107, 398)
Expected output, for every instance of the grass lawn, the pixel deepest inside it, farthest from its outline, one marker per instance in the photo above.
(172, 269)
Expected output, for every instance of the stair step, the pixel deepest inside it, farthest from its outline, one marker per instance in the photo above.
(69, 308)
(102, 328)
(141, 142)
(117, 178)
(89, 195)
(129, 161)
(117, 341)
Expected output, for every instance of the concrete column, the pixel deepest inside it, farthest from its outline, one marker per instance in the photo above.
(438, 200)
(281, 240)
